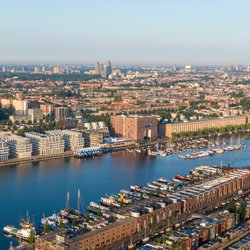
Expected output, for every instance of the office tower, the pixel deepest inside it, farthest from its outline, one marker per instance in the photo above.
(98, 68)
(138, 128)
(57, 70)
(188, 68)
(107, 69)
(239, 67)
(46, 144)
(36, 69)
(73, 140)
(19, 147)
(3, 69)
(43, 69)
(61, 113)
(4, 150)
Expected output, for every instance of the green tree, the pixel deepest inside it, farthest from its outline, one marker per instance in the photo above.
(46, 228)
(87, 217)
(242, 211)
(31, 238)
(231, 206)
(74, 221)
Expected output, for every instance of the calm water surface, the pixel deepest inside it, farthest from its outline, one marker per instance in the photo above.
(42, 187)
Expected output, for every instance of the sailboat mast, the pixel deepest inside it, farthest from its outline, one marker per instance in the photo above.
(67, 201)
(79, 201)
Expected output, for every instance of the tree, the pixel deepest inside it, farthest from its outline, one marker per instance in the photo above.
(99, 212)
(231, 206)
(31, 238)
(10, 123)
(87, 217)
(242, 211)
(111, 208)
(61, 223)
(46, 228)
(74, 221)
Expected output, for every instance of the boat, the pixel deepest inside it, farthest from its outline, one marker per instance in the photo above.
(9, 230)
(135, 188)
(146, 239)
(110, 201)
(219, 151)
(182, 178)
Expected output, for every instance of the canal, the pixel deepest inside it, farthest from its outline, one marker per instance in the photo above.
(42, 187)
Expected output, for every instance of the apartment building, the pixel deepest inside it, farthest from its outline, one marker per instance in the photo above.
(61, 113)
(73, 140)
(35, 114)
(138, 128)
(160, 215)
(46, 144)
(47, 109)
(19, 147)
(92, 138)
(4, 150)
(167, 129)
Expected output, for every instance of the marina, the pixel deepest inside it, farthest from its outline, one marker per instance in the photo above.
(34, 186)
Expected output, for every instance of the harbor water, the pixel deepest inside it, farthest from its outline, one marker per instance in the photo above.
(42, 187)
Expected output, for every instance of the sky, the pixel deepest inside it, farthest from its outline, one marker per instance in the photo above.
(196, 32)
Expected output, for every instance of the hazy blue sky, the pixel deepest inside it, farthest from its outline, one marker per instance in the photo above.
(128, 31)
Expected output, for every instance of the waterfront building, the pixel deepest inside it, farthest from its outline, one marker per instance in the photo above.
(19, 147)
(73, 140)
(138, 128)
(92, 138)
(94, 127)
(35, 114)
(151, 216)
(167, 129)
(46, 144)
(61, 113)
(4, 150)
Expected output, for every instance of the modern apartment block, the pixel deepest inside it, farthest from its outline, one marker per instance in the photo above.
(19, 147)
(138, 128)
(73, 140)
(167, 129)
(61, 113)
(94, 127)
(46, 144)
(35, 114)
(47, 108)
(92, 138)
(4, 150)
(134, 224)
(21, 106)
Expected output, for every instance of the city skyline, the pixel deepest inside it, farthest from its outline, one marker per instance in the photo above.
(193, 32)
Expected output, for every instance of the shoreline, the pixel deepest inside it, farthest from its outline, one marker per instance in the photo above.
(68, 154)
(36, 158)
